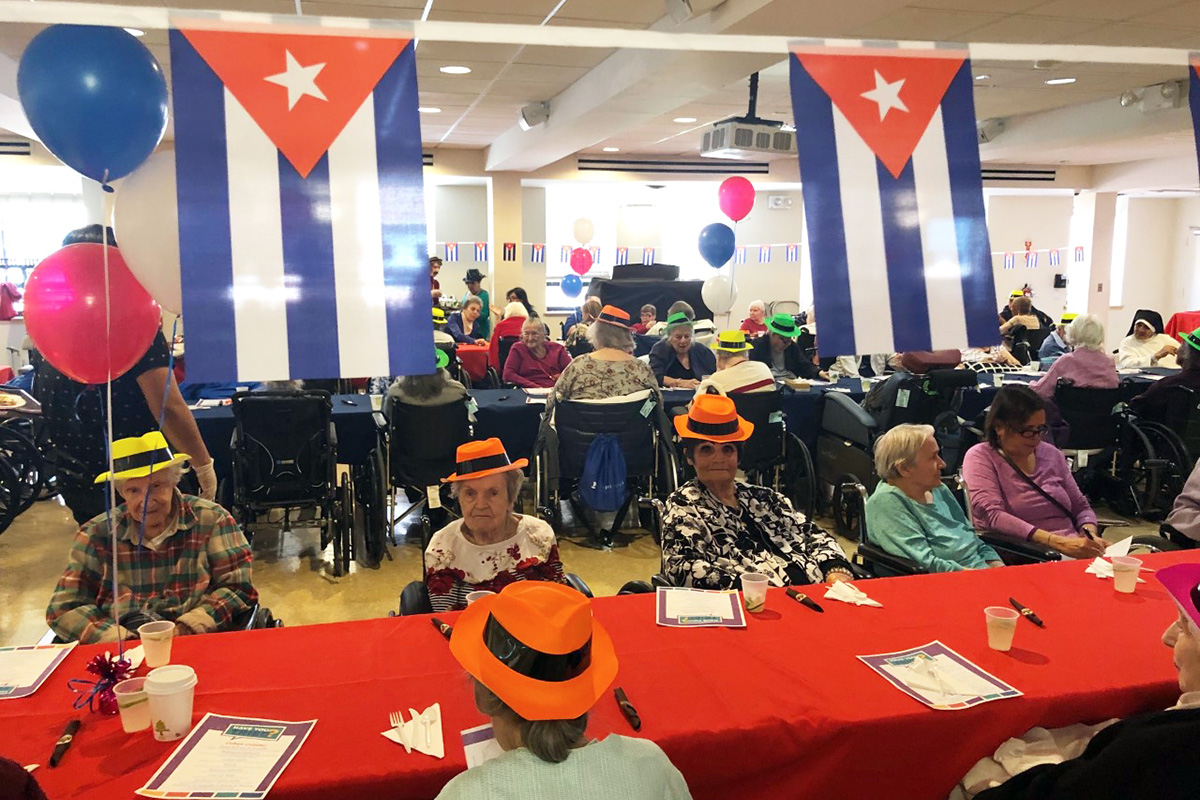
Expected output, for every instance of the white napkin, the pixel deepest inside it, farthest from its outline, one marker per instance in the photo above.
(134, 655)
(412, 732)
(849, 593)
(1103, 569)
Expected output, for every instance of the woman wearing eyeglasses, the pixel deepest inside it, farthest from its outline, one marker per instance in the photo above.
(1021, 486)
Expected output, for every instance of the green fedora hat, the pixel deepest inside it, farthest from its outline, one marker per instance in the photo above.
(784, 325)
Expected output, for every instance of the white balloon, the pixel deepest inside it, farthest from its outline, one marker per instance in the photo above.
(146, 217)
(719, 293)
(585, 229)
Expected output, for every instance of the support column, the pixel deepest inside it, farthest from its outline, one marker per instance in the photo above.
(1093, 221)
(504, 225)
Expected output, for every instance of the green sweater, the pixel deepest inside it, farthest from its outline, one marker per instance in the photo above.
(936, 535)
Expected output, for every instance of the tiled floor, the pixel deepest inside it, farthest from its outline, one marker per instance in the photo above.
(293, 578)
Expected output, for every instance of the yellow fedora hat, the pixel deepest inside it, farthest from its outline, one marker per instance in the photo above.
(139, 456)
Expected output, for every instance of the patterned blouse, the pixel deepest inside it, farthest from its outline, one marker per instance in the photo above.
(707, 545)
(454, 567)
(590, 378)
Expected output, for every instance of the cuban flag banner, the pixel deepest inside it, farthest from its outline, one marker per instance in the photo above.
(792, 252)
(537, 253)
(1010, 261)
(481, 251)
(899, 245)
(739, 254)
(1031, 259)
(595, 251)
(647, 255)
(764, 254)
(1079, 255)
(622, 256)
(452, 251)
(301, 211)
(1054, 257)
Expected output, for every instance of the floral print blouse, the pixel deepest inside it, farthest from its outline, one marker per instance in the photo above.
(708, 545)
(590, 378)
(454, 567)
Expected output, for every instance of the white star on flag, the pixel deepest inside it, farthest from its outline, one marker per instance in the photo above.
(886, 95)
(299, 81)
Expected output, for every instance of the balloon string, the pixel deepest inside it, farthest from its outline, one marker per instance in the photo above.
(110, 493)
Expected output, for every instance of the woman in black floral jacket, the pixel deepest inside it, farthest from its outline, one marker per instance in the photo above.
(717, 527)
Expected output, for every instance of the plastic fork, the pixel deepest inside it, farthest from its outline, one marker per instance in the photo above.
(396, 720)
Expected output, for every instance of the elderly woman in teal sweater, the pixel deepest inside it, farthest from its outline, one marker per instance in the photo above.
(912, 514)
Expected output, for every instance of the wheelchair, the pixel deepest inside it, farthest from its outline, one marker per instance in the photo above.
(489, 380)
(24, 473)
(285, 456)
(773, 456)
(1115, 456)
(506, 345)
(641, 427)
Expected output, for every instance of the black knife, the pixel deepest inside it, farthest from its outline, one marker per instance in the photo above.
(804, 599)
(1027, 613)
(627, 709)
(64, 741)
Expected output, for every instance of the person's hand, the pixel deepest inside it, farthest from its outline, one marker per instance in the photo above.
(1077, 546)
(995, 564)
(1167, 350)
(823, 375)
(436, 293)
(687, 383)
(182, 630)
(837, 576)
(481, 342)
(206, 474)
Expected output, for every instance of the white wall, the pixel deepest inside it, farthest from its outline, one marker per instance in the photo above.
(1184, 292)
(533, 229)
(1149, 263)
(1044, 220)
(461, 216)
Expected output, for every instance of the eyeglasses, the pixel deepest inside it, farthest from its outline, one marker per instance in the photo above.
(1033, 433)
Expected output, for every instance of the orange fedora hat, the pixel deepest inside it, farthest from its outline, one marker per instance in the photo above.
(536, 646)
(713, 418)
(614, 316)
(480, 459)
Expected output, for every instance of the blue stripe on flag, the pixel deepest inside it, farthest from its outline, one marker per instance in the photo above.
(206, 255)
(1194, 106)
(402, 203)
(817, 151)
(970, 219)
(312, 319)
(905, 261)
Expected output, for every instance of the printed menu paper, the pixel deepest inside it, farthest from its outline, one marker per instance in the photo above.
(480, 745)
(229, 757)
(24, 669)
(699, 608)
(939, 677)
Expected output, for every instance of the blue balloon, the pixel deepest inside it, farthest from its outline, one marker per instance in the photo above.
(95, 96)
(571, 285)
(716, 244)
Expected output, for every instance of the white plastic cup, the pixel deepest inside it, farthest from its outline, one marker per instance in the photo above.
(1125, 573)
(134, 704)
(1001, 625)
(171, 690)
(156, 642)
(479, 595)
(754, 591)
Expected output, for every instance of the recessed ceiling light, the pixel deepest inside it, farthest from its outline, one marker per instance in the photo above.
(135, 32)
(455, 69)
(429, 110)
(982, 77)
(612, 149)
(1059, 81)
(685, 119)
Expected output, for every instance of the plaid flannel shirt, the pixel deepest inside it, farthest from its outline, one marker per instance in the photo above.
(198, 576)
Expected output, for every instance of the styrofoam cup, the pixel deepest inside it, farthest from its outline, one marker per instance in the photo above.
(133, 704)
(1001, 626)
(479, 595)
(156, 641)
(754, 591)
(171, 690)
(1125, 573)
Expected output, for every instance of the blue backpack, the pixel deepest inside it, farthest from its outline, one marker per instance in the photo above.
(602, 484)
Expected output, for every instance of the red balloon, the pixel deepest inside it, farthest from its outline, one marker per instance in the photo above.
(64, 313)
(581, 260)
(736, 197)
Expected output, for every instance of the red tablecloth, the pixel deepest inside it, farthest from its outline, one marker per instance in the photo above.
(1182, 322)
(779, 709)
(474, 359)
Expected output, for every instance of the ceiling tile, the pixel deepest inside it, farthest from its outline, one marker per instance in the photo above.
(996, 6)
(333, 8)
(453, 52)
(1185, 16)
(441, 14)
(923, 24)
(633, 12)
(1031, 30)
(1100, 9)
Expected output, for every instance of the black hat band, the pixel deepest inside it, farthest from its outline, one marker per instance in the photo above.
(474, 465)
(142, 460)
(614, 319)
(713, 428)
(523, 659)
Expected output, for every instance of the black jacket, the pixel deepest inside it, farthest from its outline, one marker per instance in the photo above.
(701, 360)
(793, 358)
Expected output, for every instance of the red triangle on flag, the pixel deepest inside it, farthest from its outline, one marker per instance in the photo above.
(300, 89)
(888, 97)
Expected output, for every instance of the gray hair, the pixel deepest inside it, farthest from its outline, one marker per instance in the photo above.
(515, 309)
(550, 739)
(424, 387)
(514, 479)
(680, 305)
(1086, 331)
(725, 358)
(174, 472)
(649, 309)
(897, 448)
(603, 335)
(469, 299)
(757, 304)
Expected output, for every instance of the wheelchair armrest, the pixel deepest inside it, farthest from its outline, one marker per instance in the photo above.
(1022, 549)
(333, 435)
(576, 583)
(380, 420)
(658, 579)
(1174, 535)
(893, 563)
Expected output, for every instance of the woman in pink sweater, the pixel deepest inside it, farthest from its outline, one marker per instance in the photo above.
(1087, 366)
(1021, 486)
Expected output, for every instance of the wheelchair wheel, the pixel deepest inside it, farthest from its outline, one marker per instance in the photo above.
(1137, 475)
(546, 497)
(1152, 544)
(22, 460)
(847, 507)
(798, 478)
(371, 495)
(1170, 448)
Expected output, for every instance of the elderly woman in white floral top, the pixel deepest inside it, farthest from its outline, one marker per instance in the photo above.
(717, 527)
(610, 370)
(490, 547)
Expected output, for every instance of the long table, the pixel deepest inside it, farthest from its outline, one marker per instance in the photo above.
(781, 708)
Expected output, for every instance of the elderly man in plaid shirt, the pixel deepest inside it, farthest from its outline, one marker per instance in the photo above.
(178, 557)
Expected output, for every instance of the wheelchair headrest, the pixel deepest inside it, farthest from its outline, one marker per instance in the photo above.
(951, 379)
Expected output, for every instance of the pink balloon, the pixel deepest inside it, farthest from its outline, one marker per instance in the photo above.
(736, 197)
(581, 260)
(64, 313)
